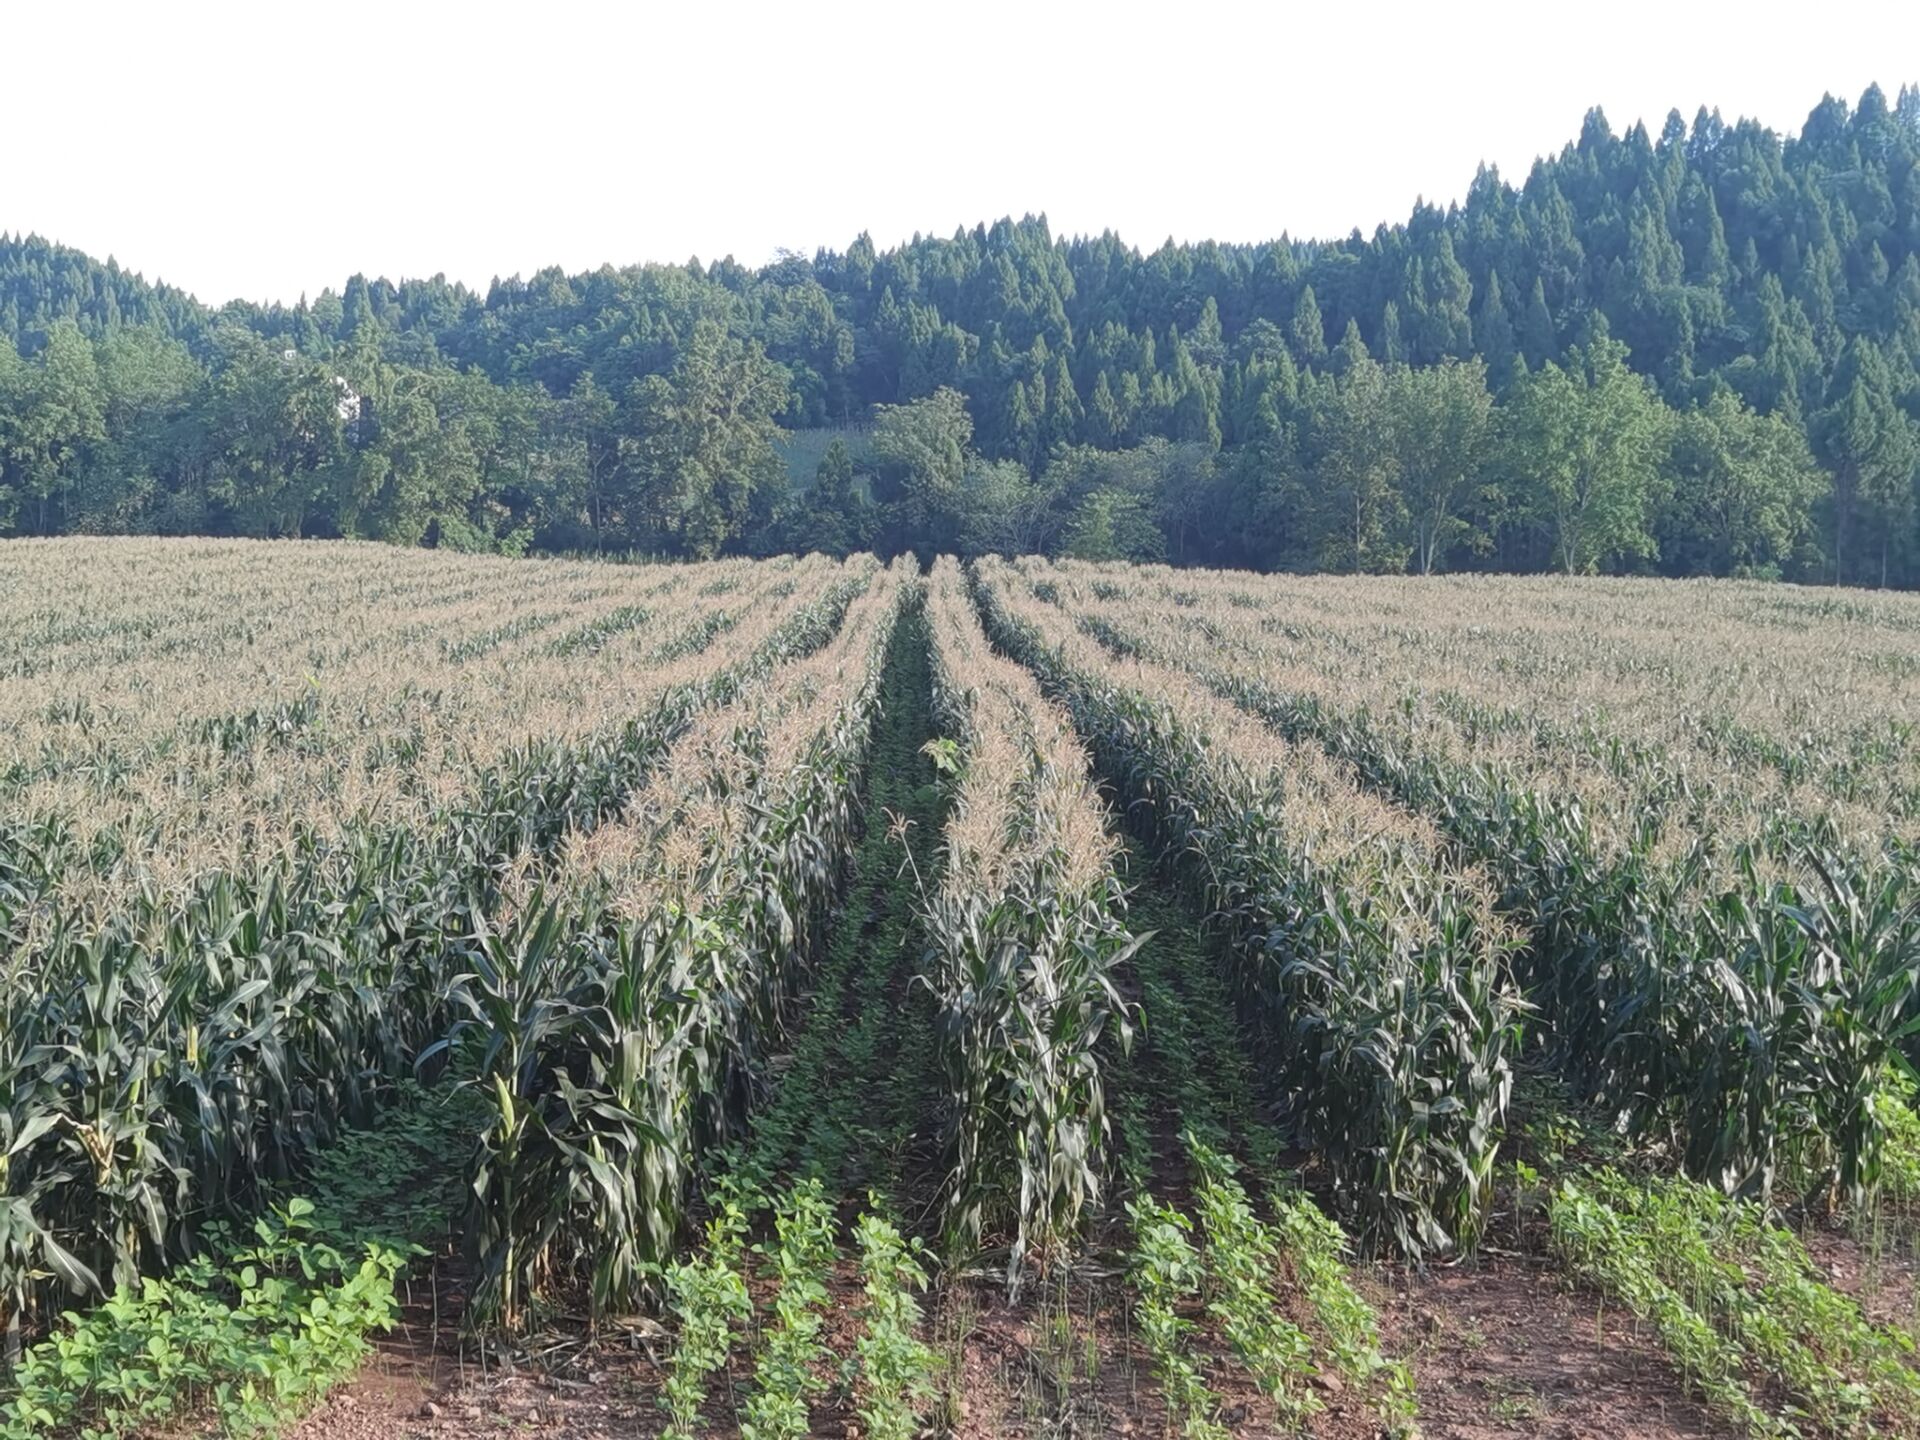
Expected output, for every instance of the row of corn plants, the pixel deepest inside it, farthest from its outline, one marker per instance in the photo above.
(617, 1016)
(163, 1064)
(1378, 974)
(1025, 931)
(1738, 1003)
(1740, 1307)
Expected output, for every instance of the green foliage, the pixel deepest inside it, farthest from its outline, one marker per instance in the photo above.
(895, 1365)
(1190, 1049)
(1749, 1019)
(1395, 1054)
(1585, 443)
(784, 1375)
(1356, 448)
(703, 457)
(629, 407)
(1164, 1271)
(1314, 1248)
(1871, 445)
(1732, 1295)
(1744, 489)
(1113, 525)
(825, 1118)
(1240, 1258)
(256, 1335)
(189, 1050)
(614, 1047)
(1444, 435)
(252, 1331)
(1027, 936)
(708, 1296)
(1893, 1104)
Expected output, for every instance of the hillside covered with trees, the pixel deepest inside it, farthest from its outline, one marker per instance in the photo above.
(1690, 352)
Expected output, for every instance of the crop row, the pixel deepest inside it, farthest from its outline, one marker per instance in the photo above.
(616, 1013)
(1026, 930)
(147, 774)
(1739, 998)
(1376, 970)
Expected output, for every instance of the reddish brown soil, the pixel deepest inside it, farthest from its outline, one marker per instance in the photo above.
(1500, 1348)
(1878, 1269)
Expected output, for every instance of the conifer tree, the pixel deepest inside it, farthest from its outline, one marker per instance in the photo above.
(1307, 331)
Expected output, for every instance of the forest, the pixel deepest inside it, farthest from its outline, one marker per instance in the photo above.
(1695, 352)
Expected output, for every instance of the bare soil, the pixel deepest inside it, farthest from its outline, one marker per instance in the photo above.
(1500, 1347)
(1878, 1268)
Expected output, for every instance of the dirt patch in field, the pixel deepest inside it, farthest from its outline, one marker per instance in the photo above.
(1878, 1270)
(1501, 1348)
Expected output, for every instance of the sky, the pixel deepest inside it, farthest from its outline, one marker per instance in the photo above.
(263, 151)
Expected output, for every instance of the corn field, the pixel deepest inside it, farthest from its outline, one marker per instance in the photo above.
(1696, 802)
(678, 896)
(256, 840)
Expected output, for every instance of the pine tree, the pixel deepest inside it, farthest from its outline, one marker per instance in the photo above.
(1351, 352)
(1205, 340)
(1537, 340)
(1065, 415)
(1493, 334)
(1703, 237)
(1019, 427)
(1869, 444)
(1307, 332)
(1449, 302)
(1393, 349)
(1105, 427)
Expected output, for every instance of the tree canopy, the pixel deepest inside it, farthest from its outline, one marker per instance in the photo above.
(1690, 352)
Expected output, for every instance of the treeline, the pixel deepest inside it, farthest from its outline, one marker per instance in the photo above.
(1696, 352)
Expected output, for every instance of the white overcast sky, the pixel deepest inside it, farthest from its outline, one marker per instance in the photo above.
(261, 150)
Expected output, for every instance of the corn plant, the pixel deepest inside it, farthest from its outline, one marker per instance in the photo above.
(638, 1042)
(1381, 981)
(185, 1049)
(1726, 970)
(1026, 932)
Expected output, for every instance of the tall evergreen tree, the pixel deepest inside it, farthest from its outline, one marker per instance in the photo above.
(1307, 331)
(1869, 443)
